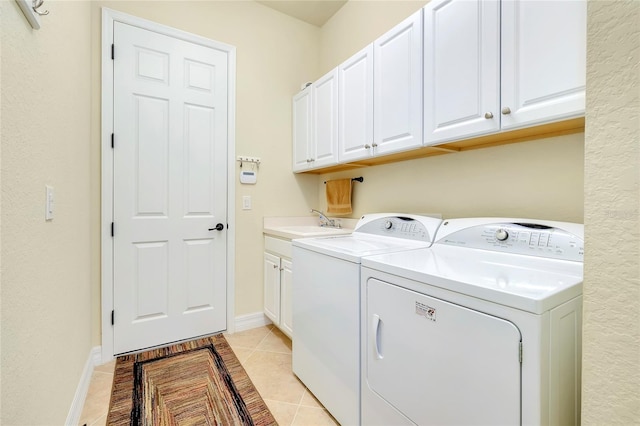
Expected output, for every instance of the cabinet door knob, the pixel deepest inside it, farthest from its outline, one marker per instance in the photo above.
(374, 144)
(506, 110)
(367, 146)
(275, 266)
(488, 115)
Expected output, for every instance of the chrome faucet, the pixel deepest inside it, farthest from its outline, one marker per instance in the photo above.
(325, 221)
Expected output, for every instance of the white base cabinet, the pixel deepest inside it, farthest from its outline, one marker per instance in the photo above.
(278, 290)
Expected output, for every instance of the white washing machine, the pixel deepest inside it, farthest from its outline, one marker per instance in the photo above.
(326, 304)
(483, 328)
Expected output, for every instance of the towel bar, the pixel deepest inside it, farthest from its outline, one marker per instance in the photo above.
(359, 179)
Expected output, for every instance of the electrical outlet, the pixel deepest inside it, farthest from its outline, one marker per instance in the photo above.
(246, 202)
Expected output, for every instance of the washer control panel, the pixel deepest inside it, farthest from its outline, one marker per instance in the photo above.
(530, 239)
(410, 227)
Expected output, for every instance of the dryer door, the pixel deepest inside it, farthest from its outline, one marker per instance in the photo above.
(439, 363)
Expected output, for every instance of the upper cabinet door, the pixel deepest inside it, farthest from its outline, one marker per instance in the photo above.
(543, 61)
(301, 130)
(397, 93)
(355, 107)
(325, 121)
(461, 69)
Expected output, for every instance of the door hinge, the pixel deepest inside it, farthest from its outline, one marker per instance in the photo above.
(112, 229)
(113, 51)
(112, 140)
(520, 353)
(112, 317)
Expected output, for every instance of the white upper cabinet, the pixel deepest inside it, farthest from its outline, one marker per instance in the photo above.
(315, 125)
(461, 69)
(325, 121)
(301, 129)
(499, 65)
(355, 107)
(397, 87)
(543, 61)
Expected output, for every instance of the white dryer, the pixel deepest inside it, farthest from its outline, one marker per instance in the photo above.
(483, 328)
(326, 304)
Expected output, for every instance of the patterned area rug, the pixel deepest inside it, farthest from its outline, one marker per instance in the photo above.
(200, 382)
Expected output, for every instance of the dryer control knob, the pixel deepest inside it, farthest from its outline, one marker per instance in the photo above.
(388, 224)
(501, 234)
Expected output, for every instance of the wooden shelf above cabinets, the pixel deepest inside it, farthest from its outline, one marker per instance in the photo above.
(566, 127)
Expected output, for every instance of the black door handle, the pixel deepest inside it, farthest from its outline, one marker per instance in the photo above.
(219, 227)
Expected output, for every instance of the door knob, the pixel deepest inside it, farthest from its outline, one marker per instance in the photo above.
(219, 227)
(506, 110)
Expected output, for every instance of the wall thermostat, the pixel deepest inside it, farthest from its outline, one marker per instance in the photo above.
(248, 177)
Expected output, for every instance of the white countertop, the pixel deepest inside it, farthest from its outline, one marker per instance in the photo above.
(291, 227)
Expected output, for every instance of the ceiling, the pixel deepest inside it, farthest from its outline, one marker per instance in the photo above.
(315, 12)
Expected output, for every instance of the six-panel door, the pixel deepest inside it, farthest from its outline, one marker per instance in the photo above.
(170, 189)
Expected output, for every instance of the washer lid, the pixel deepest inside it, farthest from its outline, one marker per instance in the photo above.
(353, 247)
(376, 233)
(528, 283)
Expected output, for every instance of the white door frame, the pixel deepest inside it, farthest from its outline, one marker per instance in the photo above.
(108, 18)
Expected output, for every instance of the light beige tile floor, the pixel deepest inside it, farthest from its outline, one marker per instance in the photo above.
(265, 353)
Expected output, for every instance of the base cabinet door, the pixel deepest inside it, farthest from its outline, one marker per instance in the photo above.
(272, 287)
(278, 291)
(286, 297)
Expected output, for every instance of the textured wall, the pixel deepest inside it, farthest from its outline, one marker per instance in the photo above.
(45, 134)
(357, 24)
(521, 180)
(611, 366)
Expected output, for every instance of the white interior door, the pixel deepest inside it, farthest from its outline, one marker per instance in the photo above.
(169, 189)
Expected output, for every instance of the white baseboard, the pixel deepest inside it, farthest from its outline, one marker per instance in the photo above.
(73, 417)
(249, 321)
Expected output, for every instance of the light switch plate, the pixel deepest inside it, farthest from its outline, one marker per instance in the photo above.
(48, 209)
(246, 202)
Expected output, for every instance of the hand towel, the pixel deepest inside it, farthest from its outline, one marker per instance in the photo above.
(339, 196)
